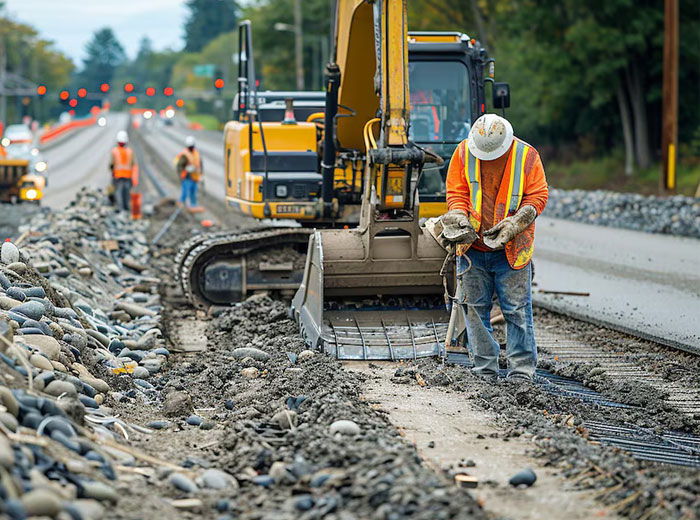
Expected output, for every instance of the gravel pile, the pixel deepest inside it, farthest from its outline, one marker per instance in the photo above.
(80, 328)
(287, 432)
(676, 215)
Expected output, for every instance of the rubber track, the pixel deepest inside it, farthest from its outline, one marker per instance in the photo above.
(692, 349)
(197, 254)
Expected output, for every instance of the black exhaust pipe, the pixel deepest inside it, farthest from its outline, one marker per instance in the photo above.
(328, 161)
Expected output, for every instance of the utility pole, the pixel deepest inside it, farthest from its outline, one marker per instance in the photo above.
(3, 66)
(669, 129)
(298, 44)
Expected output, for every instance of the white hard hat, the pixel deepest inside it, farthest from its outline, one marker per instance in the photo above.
(122, 137)
(490, 137)
(189, 141)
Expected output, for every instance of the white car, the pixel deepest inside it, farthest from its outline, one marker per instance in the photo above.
(17, 134)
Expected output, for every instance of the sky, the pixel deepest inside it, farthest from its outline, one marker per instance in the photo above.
(71, 23)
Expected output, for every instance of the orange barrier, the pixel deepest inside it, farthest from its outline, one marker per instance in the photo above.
(135, 206)
(58, 130)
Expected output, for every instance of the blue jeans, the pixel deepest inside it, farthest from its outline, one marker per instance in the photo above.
(491, 272)
(189, 190)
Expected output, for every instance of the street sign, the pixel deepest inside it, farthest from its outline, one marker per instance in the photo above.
(205, 71)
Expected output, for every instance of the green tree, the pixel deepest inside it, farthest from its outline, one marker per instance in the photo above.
(104, 55)
(206, 20)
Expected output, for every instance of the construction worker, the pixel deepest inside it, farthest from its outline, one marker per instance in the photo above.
(189, 166)
(122, 166)
(496, 188)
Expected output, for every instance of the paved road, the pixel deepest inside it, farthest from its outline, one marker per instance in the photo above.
(636, 280)
(81, 161)
(169, 141)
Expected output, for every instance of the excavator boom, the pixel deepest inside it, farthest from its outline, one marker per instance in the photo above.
(374, 292)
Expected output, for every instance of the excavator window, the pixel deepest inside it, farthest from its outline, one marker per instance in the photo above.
(440, 115)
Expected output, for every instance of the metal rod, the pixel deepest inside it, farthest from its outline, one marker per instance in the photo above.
(335, 339)
(388, 341)
(362, 337)
(437, 340)
(413, 339)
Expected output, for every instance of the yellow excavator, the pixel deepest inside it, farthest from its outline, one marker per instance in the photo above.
(356, 177)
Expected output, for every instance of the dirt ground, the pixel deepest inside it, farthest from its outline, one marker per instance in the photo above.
(267, 424)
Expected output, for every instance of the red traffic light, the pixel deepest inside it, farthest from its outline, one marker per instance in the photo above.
(73, 102)
(168, 91)
(104, 87)
(219, 83)
(82, 92)
(71, 113)
(41, 90)
(150, 91)
(128, 87)
(180, 103)
(64, 95)
(132, 100)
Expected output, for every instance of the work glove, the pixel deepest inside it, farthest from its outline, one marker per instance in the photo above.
(457, 228)
(510, 227)
(190, 168)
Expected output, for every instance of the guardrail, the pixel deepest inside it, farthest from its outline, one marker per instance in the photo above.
(58, 130)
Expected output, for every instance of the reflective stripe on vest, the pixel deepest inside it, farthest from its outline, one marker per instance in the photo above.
(193, 158)
(472, 167)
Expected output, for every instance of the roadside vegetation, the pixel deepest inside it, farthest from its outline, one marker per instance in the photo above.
(585, 88)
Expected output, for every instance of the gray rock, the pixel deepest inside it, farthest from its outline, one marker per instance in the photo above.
(41, 502)
(9, 400)
(9, 421)
(141, 373)
(285, 419)
(31, 309)
(194, 420)
(56, 388)
(9, 253)
(250, 373)
(345, 427)
(40, 362)
(255, 353)
(46, 344)
(134, 310)
(7, 456)
(217, 479)
(177, 404)
(183, 483)
(305, 354)
(525, 478)
(98, 490)
(18, 267)
(85, 509)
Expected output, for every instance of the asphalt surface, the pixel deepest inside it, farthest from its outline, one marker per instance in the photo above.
(81, 161)
(637, 281)
(170, 140)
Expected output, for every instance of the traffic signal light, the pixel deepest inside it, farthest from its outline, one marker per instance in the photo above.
(150, 91)
(132, 100)
(73, 103)
(128, 87)
(41, 90)
(82, 92)
(64, 95)
(104, 87)
(168, 91)
(180, 103)
(219, 83)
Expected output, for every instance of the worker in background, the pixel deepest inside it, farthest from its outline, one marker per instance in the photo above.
(189, 165)
(122, 166)
(496, 188)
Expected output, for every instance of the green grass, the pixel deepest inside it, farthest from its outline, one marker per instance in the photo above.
(207, 121)
(609, 173)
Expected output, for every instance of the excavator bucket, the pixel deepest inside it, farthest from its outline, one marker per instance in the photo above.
(373, 294)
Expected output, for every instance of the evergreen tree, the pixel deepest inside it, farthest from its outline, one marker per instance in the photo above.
(208, 19)
(104, 55)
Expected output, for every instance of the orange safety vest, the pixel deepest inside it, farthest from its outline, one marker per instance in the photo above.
(194, 159)
(510, 195)
(122, 162)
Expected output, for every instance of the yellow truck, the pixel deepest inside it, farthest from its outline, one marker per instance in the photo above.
(22, 179)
